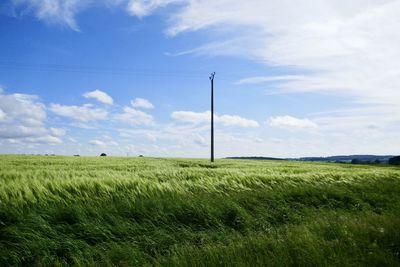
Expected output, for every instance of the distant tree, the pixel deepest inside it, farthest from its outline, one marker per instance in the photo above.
(103, 154)
(76, 155)
(377, 161)
(140, 156)
(355, 161)
(394, 160)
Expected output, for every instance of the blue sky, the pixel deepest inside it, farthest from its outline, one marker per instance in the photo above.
(130, 77)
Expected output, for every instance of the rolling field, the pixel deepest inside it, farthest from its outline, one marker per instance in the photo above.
(106, 211)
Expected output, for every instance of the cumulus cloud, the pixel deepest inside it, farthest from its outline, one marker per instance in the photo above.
(85, 113)
(22, 120)
(142, 103)
(26, 109)
(192, 117)
(234, 120)
(135, 117)
(202, 117)
(292, 123)
(99, 96)
(21, 131)
(57, 132)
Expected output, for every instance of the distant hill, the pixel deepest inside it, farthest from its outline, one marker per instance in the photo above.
(344, 159)
(360, 158)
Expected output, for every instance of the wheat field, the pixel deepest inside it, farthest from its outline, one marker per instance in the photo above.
(110, 211)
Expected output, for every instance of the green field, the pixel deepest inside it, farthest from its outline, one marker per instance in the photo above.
(104, 211)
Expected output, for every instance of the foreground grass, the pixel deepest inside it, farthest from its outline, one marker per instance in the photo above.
(172, 212)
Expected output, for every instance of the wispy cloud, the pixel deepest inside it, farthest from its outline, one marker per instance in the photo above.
(264, 79)
(64, 12)
(56, 11)
(141, 8)
(347, 49)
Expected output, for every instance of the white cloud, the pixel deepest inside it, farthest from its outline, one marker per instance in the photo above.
(192, 117)
(55, 11)
(64, 12)
(151, 137)
(57, 132)
(104, 142)
(166, 133)
(21, 131)
(22, 108)
(263, 79)
(142, 103)
(344, 48)
(203, 117)
(2, 115)
(99, 96)
(45, 139)
(200, 140)
(22, 120)
(292, 123)
(142, 8)
(234, 120)
(96, 142)
(135, 117)
(85, 113)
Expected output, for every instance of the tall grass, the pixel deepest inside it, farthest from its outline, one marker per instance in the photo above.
(176, 212)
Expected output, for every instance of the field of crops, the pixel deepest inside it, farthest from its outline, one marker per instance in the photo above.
(104, 211)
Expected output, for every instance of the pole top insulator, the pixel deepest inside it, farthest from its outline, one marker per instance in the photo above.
(212, 76)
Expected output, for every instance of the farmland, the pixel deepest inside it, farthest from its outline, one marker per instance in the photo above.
(104, 211)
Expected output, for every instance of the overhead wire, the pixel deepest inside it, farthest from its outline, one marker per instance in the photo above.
(111, 70)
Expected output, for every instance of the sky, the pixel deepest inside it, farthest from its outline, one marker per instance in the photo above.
(131, 77)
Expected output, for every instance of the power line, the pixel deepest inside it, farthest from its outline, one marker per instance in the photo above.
(94, 70)
(109, 70)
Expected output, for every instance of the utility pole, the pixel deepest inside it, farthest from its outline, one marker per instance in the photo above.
(212, 116)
